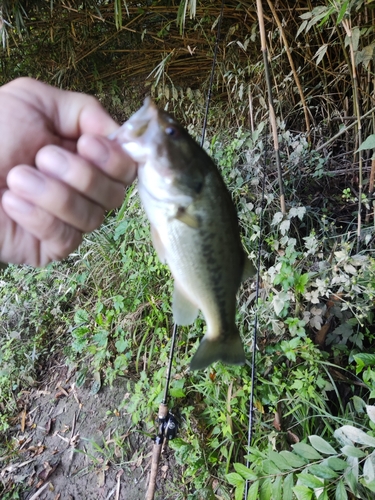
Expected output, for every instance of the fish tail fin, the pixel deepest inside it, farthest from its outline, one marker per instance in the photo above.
(228, 349)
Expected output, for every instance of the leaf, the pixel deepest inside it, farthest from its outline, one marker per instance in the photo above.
(297, 212)
(323, 471)
(320, 53)
(357, 435)
(277, 487)
(306, 451)
(352, 451)
(238, 495)
(309, 480)
(234, 479)
(371, 412)
(369, 468)
(359, 404)
(321, 445)
(337, 463)
(252, 493)
(340, 493)
(277, 218)
(293, 459)
(369, 143)
(245, 472)
(279, 460)
(284, 227)
(302, 492)
(288, 487)
(270, 468)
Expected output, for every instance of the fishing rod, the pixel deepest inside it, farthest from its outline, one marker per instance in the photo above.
(168, 424)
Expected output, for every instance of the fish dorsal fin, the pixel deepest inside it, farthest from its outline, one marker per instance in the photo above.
(186, 215)
(158, 245)
(184, 312)
(249, 270)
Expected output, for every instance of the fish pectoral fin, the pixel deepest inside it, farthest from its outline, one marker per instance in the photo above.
(186, 215)
(249, 270)
(225, 348)
(184, 311)
(158, 245)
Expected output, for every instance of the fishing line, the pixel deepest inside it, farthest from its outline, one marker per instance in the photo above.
(255, 330)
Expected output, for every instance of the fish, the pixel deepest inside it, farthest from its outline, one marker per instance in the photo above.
(194, 228)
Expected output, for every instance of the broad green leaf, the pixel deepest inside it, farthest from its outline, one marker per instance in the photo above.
(265, 492)
(309, 480)
(293, 459)
(337, 463)
(340, 493)
(321, 445)
(369, 468)
(279, 460)
(370, 485)
(277, 486)
(252, 493)
(238, 495)
(323, 471)
(369, 143)
(351, 474)
(302, 492)
(288, 487)
(371, 412)
(306, 451)
(357, 435)
(359, 404)
(245, 472)
(234, 479)
(352, 451)
(269, 467)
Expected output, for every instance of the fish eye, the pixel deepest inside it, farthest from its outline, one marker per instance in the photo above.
(171, 131)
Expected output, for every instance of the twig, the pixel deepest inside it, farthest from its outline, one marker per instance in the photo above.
(40, 491)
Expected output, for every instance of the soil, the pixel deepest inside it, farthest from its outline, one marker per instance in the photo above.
(74, 445)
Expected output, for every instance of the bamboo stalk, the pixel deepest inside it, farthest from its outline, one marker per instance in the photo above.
(262, 32)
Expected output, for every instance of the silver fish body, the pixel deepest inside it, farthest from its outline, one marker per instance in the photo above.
(194, 228)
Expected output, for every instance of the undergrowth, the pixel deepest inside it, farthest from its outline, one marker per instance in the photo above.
(106, 311)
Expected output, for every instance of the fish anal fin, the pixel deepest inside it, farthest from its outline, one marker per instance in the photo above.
(228, 349)
(184, 311)
(158, 245)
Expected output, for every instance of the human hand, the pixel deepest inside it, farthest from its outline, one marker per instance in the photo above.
(58, 170)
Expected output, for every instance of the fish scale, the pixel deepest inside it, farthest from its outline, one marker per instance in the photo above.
(194, 227)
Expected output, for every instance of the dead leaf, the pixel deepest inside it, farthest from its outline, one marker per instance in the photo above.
(23, 420)
(292, 438)
(101, 478)
(46, 472)
(320, 336)
(277, 419)
(48, 426)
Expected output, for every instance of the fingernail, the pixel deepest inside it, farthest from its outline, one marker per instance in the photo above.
(97, 150)
(26, 181)
(15, 204)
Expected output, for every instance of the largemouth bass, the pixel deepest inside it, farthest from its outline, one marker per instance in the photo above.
(194, 228)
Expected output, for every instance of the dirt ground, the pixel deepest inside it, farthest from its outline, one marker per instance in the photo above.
(74, 445)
